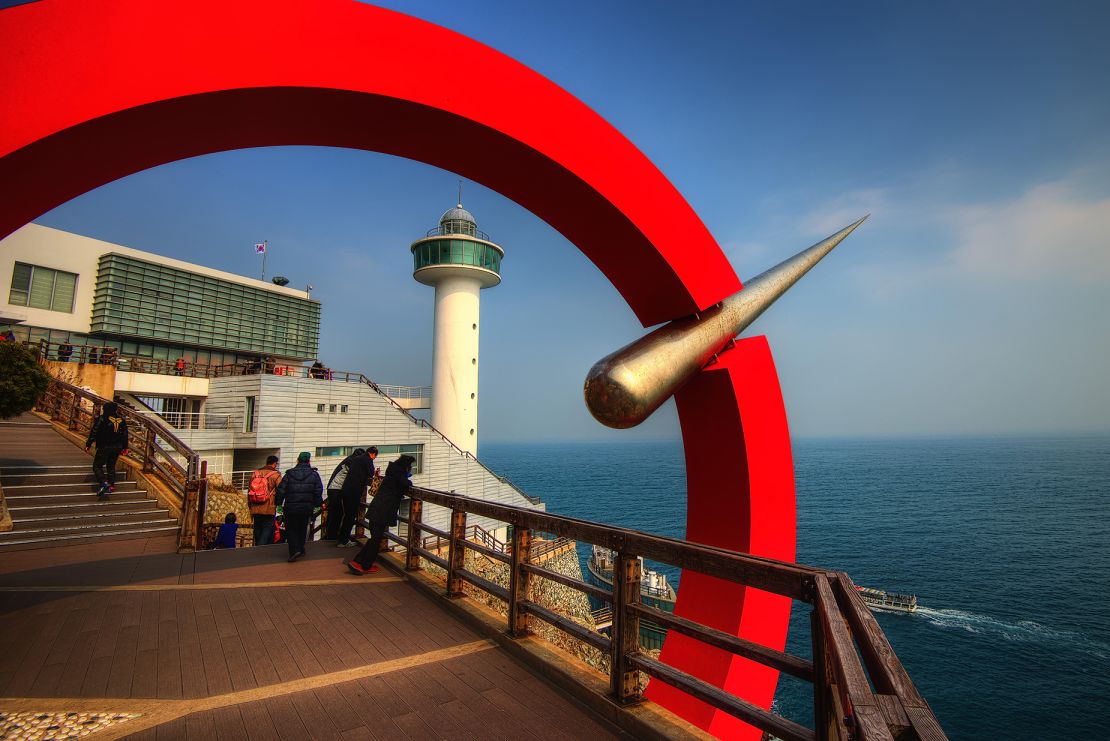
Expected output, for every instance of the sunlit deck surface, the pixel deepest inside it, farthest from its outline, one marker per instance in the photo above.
(239, 644)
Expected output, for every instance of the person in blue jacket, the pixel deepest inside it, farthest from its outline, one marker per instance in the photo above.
(300, 492)
(225, 538)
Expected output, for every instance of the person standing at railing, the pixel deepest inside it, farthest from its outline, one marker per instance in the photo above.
(109, 434)
(299, 492)
(333, 510)
(382, 513)
(260, 499)
(65, 350)
(359, 474)
(179, 367)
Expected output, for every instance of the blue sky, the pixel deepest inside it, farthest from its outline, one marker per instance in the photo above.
(975, 300)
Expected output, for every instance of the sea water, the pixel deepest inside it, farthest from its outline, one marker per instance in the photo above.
(1006, 542)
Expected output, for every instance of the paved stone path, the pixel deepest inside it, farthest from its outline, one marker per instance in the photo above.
(239, 644)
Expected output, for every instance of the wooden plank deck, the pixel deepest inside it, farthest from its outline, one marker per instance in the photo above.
(242, 645)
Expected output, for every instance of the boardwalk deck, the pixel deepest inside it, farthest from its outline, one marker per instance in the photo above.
(240, 644)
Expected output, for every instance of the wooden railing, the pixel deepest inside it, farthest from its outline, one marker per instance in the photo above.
(481, 536)
(152, 444)
(859, 693)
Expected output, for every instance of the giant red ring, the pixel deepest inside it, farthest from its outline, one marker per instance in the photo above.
(91, 92)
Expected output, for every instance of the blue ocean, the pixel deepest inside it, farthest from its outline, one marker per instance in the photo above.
(1006, 542)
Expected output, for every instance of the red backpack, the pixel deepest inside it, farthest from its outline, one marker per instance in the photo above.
(259, 490)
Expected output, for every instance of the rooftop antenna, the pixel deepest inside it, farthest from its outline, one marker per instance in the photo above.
(460, 193)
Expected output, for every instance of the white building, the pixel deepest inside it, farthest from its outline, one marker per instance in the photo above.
(244, 392)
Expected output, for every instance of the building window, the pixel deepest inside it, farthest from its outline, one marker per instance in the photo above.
(319, 408)
(386, 453)
(343, 409)
(394, 451)
(42, 288)
(249, 416)
(331, 409)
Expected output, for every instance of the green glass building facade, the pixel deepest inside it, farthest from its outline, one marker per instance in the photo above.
(141, 300)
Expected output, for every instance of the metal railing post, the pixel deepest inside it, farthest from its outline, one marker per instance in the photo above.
(412, 558)
(73, 412)
(624, 681)
(202, 502)
(148, 450)
(820, 678)
(456, 553)
(519, 581)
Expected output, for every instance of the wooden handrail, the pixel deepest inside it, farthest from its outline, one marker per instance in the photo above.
(846, 705)
(779, 577)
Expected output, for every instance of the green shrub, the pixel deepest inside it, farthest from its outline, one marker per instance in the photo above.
(22, 379)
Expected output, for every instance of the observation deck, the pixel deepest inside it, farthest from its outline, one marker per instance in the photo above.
(150, 639)
(457, 247)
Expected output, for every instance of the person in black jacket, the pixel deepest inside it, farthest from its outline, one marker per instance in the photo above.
(299, 492)
(359, 474)
(334, 511)
(382, 513)
(109, 433)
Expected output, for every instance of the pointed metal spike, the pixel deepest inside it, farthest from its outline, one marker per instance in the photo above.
(625, 387)
(764, 289)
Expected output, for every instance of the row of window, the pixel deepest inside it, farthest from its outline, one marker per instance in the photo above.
(455, 252)
(133, 293)
(343, 408)
(180, 285)
(384, 452)
(42, 288)
(197, 334)
(126, 265)
(24, 333)
(111, 300)
(137, 297)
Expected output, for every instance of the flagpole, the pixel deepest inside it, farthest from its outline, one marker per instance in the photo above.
(265, 251)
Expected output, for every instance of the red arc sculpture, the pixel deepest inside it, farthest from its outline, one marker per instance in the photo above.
(91, 92)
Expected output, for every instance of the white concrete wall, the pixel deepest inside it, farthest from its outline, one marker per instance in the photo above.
(35, 244)
(152, 384)
(289, 423)
(220, 461)
(51, 248)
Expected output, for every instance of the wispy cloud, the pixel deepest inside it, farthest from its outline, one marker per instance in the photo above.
(844, 209)
(1058, 230)
(747, 258)
(1052, 230)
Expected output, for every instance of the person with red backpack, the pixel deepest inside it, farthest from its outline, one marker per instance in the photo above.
(260, 499)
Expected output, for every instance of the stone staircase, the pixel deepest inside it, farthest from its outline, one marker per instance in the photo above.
(50, 493)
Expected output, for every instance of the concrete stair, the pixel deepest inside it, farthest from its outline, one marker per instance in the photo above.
(51, 494)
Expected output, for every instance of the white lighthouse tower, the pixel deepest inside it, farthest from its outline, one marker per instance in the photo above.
(459, 261)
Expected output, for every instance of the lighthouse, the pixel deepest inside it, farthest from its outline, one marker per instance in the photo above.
(458, 261)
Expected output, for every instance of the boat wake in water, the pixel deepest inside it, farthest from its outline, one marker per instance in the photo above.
(1022, 630)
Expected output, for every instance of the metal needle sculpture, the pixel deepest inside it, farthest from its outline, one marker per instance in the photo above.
(624, 388)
